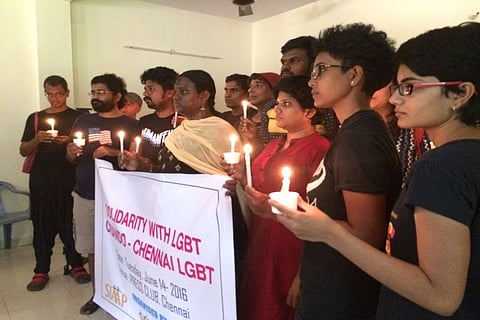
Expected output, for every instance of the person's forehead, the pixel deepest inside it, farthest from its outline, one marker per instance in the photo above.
(295, 52)
(232, 85)
(99, 86)
(51, 88)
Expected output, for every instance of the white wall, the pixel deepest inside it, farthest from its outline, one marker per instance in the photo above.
(102, 29)
(83, 38)
(400, 19)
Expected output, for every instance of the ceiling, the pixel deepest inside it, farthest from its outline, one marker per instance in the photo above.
(262, 9)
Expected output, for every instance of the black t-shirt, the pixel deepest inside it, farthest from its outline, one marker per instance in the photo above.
(445, 180)
(154, 131)
(362, 158)
(99, 131)
(235, 120)
(50, 157)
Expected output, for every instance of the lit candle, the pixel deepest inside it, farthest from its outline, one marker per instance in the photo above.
(121, 135)
(51, 122)
(248, 149)
(286, 172)
(137, 145)
(245, 106)
(233, 139)
(79, 141)
(175, 120)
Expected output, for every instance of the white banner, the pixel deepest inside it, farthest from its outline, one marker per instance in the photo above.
(163, 245)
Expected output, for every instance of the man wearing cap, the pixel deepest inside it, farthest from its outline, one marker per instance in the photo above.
(260, 92)
(133, 105)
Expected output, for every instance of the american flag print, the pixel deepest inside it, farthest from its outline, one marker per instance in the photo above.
(102, 136)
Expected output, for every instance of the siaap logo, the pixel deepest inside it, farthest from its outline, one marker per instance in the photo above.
(114, 294)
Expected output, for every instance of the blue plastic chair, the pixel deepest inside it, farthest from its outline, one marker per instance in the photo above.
(8, 218)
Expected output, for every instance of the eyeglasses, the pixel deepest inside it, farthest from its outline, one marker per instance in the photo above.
(406, 89)
(321, 67)
(99, 93)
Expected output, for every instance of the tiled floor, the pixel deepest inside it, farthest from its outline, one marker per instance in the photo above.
(60, 300)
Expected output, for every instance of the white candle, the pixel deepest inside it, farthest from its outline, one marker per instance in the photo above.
(79, 141)
(245, 106)
(286, 172)
(175, 120)
(51, 122)
(233, 139)
(121, 135)
(248, 149)
(137, 145)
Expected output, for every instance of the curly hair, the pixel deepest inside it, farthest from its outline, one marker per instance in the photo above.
(164, 76)
(114, 83)
(361, 45)
(449, 54)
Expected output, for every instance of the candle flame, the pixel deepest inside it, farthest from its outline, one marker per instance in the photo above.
(286, 172)
(78, 135)
(121, 134)
(247, 148)
(51, 122)
(245, 103)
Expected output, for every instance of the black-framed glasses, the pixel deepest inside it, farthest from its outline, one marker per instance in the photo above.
(99, 93)
(406, 89)
(321, 67)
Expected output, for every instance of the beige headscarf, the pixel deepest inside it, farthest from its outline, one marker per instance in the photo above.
(200, 143)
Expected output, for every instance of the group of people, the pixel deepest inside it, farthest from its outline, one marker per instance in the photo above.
(379, 232)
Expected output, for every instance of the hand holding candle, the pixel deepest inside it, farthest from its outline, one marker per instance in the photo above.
(248, 170)
(121, 135)
(137, 143)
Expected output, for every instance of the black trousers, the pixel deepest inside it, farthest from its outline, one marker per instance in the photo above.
(51, 205)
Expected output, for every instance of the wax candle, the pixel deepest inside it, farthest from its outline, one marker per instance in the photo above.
(248, 170)
(245, 106)
(233, 139)
(121, 135)
(51, 122)
(286, 172)
(79, 141)
(175, 120)
(137, 143)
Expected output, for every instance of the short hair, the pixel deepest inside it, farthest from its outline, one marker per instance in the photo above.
(307, 43)
(114, 83)
(360, 44)
(297, 87)
(54, 81)
(240, 79)
(203, 81)
(449, 54)
(164, 76)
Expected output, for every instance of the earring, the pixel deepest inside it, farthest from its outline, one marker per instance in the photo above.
(352, 83)
(453, 108)
(202, 108)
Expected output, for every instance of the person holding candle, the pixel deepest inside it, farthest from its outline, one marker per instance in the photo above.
(431, 269)
(270, 284)
(197, 144)
(360, 177)
(102, 141)
(51, 182)
(236, 92)
(158, 95)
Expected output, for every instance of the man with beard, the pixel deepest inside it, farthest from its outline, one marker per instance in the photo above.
(158, 95)
(102, 141)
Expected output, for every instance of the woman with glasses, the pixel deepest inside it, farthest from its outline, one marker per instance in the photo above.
(432, 266)
(270, 284)
(359, 179)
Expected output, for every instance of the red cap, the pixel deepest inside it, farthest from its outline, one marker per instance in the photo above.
(271, 78)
